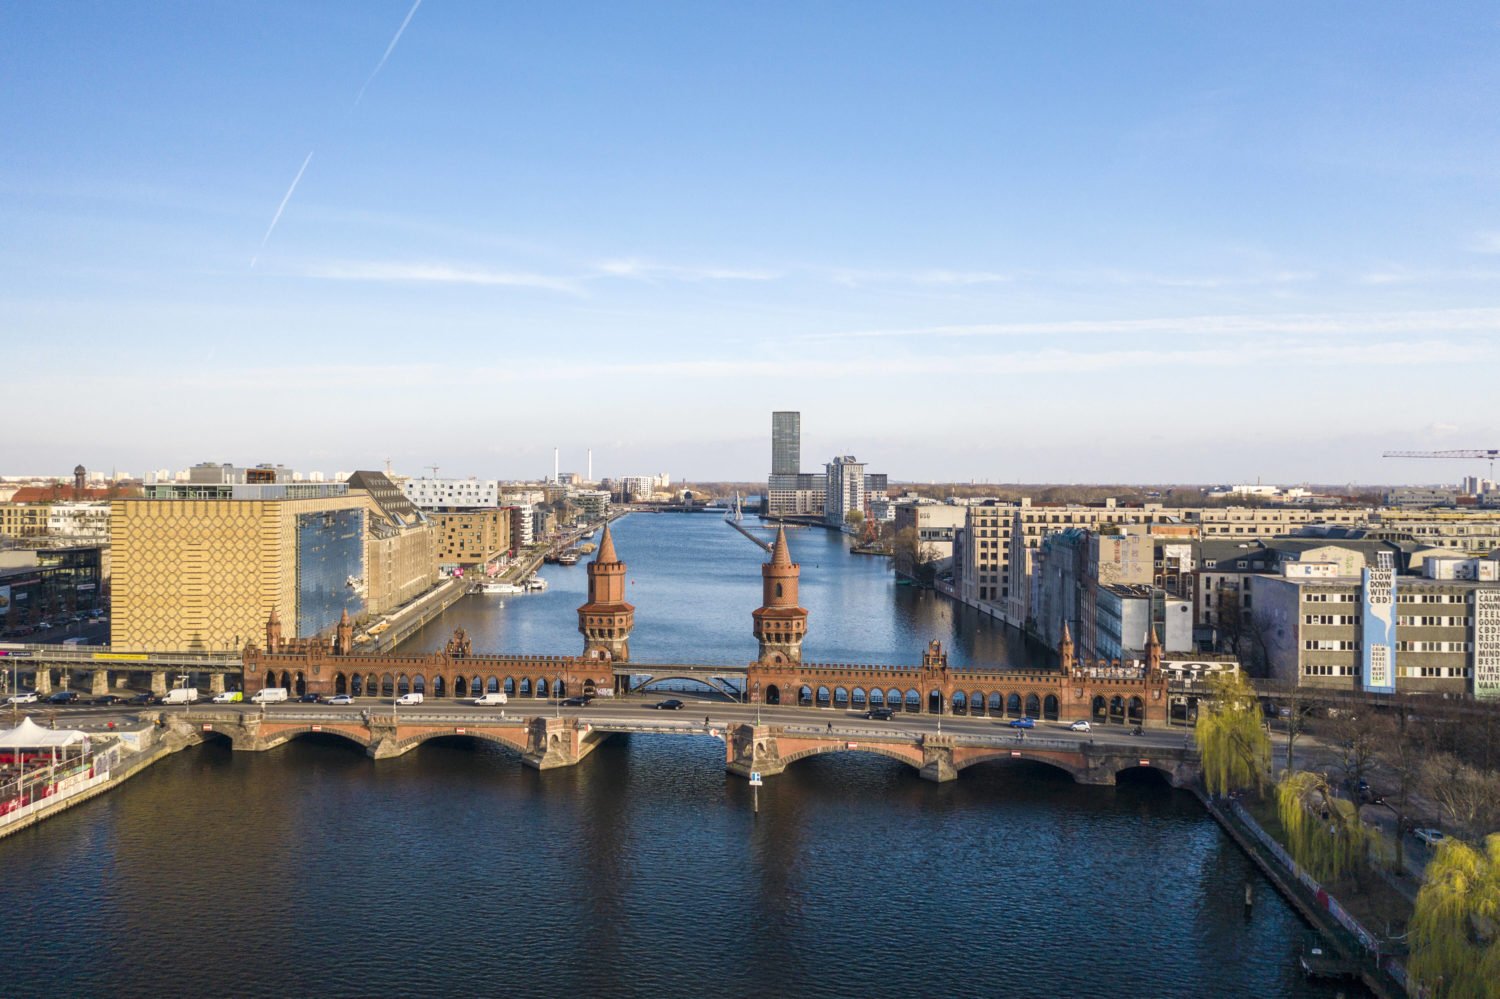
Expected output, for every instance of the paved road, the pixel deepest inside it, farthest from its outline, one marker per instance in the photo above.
(640, 710)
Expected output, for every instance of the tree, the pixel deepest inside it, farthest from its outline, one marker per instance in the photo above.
(1291, 701)
(1356, 733)
(1469, 797)
(1231, 619)
(1234, 744)
(914, 558)
(1402, 757)
(854, 518)
(1323, 831)
(1455, 929)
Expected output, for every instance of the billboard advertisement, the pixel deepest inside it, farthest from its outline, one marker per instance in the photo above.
(1487, 643)
(1377, 649)
(4, 600)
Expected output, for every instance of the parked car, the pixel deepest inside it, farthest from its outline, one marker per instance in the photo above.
(1080, 726)
(576, 701)
(306, 698)
(63, 697)
(879, 714)
(1431, 837)
(341, 699)
(24, 697)
(1023, 723)
(670, 704)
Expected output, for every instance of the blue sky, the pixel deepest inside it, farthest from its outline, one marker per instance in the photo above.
(1005, 242)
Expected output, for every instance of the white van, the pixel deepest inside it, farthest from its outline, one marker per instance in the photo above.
(180, 695)
(490, 700)
(412, 698)
(270, 695)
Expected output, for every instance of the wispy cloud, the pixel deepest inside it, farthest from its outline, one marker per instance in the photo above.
(648, 270)
(427, 273)
(1486, 242)
(1442, 321)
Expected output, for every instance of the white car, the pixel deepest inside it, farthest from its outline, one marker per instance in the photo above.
(24, 697)
(341, 699)
(1079, 726)
(1432, 837)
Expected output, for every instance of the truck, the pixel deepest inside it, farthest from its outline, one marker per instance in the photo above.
(180, 695)
(269, 695)
(412, 698)
(490, 700)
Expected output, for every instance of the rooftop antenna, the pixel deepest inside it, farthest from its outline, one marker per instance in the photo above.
(388, 467)
(591, 465)
(434, 469)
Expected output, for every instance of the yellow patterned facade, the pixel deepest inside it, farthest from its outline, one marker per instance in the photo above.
(205, 574)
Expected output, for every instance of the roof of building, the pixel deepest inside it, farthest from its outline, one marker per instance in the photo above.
(62, 493)
(392, 503)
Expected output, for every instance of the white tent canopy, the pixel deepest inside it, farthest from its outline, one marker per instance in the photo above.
(30, 735)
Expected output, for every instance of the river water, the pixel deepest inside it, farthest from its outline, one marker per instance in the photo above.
(644, 871)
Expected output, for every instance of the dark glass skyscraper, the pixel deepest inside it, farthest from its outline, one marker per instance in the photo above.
(786, 443)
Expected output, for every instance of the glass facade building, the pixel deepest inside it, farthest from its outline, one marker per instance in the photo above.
(330, 565)
(786, 443)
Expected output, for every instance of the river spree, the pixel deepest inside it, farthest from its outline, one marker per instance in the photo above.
(644, 871)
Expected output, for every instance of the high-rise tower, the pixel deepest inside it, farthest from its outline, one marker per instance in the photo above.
(780, 625)
(606, 620)
(786, 442)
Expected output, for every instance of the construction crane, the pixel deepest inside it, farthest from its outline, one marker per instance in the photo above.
(1483, 454)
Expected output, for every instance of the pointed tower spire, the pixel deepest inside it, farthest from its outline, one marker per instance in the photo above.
(1065, 648)
(1153, 650)
(781, 555)
(606, 548)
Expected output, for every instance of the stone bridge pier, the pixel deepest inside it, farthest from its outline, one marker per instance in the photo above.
(99, 683)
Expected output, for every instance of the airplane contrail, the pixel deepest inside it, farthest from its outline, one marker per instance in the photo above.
(281, 208)
(388, 50)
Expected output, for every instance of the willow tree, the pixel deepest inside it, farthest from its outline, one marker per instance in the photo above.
(1323, 831)
(1455, 930)
(1232, 738)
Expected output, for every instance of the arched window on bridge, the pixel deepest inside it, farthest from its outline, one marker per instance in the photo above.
(804, 697)
(492, 685)
(525, 686)
(1033, 706)
(1117, 709)
(1100, 709)
(357, 685)
(419, 685)
(510, 686)
(1137, 711)
(960, 704)
(387, 685)
(541, 688)
(773, 694)
(439, 686)
(403, 684)
(340, 684)
(559, 689)
(1049, 707)
(997, 704)
(857, 697)
(460, 686)
(877, 697)
(913, 700)
(934, 701)
(976, 703)
(1013, 705)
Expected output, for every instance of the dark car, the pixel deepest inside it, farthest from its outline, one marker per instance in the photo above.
(879, 714)
(576, 701)
(63, 697)
(1137, 731)
(144, 698)
(108, 699)
(307, 699)
(670, 704)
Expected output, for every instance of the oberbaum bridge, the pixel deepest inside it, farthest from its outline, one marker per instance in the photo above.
(1106, 691)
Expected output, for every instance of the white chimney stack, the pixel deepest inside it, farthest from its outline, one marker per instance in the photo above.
(591, 464)
(556, 468)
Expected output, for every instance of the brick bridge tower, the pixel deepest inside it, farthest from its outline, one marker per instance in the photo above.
(605, 621)
(780, 625)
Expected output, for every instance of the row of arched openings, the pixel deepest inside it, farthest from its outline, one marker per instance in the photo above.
(394, 685)
(994, 704)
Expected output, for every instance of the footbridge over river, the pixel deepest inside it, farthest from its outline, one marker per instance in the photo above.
(546, 743)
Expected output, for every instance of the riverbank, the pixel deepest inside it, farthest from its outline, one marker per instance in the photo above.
(130, 765)
(1381, 973)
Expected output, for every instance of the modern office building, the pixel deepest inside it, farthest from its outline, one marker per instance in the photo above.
(49, 584)
(452, 494)
(845, 490)
(201, 574)
(786, 443)
(400, 544)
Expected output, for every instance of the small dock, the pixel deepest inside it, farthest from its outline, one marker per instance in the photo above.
(1317, 963)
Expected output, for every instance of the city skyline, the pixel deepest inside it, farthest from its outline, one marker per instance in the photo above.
(1013, 245)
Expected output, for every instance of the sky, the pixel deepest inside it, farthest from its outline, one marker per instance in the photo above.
(1005, 242)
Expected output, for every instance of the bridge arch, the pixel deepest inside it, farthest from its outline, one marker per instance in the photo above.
(1007, 755)
(1159, 770)
(285, 736)
(512, 739)
(773, 694)
(865, 748)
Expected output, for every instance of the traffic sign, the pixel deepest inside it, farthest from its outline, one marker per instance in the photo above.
(755, 778)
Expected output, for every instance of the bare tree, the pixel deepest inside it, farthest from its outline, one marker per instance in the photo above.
(1291, 701)
(1403, 757)
(1468, 796)
(1356, 737)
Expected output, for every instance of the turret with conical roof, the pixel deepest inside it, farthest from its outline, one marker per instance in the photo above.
(1065, 649)
(273, 632)
(1153, 650)
(606, 620)
(780, 625)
